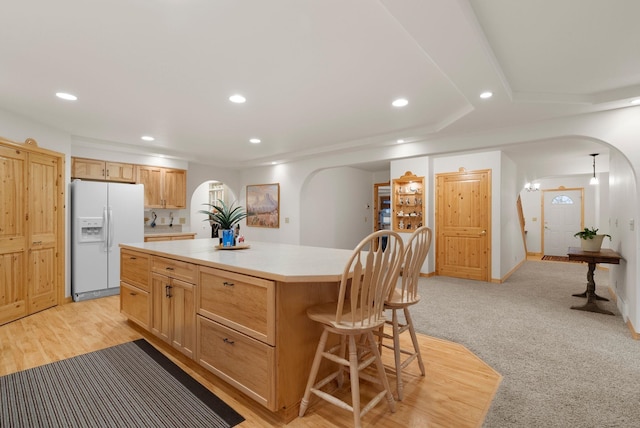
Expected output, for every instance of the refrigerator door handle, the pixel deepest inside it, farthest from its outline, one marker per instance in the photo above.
(105, 223)
(111, 229)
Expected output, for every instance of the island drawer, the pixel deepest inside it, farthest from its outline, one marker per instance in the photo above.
(134, 268)
(135, 304)
(244, 303)
(174, 269)
(245, 363)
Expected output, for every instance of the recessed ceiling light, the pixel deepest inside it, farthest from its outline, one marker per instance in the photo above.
(237, 98)
(147, 138)
(635, 102)
(254, 140)
(65, 96)
(486, 94)
(400, 102)
(400, 141)
(274, 163)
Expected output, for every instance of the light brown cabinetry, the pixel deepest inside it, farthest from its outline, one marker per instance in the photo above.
(236, 331)
(163, 187)
(94, 169)
(161, 237)
(408, 194)
(31, 229)
(135, 300)
(174, 308)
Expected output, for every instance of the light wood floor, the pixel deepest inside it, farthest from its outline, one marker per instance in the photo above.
(456, 392)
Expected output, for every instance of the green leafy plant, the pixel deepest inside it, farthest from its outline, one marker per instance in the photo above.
(224, 215)
(590, 233)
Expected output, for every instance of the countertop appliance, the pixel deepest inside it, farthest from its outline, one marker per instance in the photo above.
(103, 215)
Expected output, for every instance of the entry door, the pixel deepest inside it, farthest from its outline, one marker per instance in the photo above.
(562, 210)
(463, 216)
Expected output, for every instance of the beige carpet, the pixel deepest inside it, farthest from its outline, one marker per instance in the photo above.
(560, 367)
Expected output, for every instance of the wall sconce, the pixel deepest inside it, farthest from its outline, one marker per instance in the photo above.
(594, 180)
(529, 187)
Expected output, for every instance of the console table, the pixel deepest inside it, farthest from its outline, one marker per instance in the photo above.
(605, 255)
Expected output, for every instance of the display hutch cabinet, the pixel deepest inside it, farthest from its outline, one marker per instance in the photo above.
(408, 194)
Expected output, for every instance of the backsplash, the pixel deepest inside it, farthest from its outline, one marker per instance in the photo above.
(162, 228)
(165, 217)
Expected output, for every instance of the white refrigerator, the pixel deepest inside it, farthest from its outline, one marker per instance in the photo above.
(103, 215)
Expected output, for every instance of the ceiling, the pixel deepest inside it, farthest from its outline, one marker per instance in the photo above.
(319, 76)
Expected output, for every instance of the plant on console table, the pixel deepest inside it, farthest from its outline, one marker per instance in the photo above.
(590, 239)
(225, 216)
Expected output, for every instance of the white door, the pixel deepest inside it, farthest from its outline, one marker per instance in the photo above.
(562, 211)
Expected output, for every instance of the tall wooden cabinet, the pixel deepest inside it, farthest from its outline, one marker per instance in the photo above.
(31, 229)
(408, 195)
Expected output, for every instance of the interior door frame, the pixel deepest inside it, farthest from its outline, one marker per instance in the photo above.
(543, 207)
(487, 274)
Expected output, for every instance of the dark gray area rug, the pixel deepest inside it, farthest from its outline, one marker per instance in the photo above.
(561, 367)
(129, 385)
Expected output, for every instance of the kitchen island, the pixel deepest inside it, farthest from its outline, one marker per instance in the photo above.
(239, 313)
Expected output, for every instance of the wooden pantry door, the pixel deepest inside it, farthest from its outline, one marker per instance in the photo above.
(463, 219)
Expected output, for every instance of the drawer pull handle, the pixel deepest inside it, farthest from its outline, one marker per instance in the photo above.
(133, 258)
(230, 342)
(37, 242)
(169, 268)
(132, 293)
(167, 290)
(228, 284)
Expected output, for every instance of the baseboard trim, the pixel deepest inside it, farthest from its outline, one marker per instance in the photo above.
(634, 334)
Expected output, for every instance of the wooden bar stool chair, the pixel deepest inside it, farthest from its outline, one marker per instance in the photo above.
(401, 298)
(366, 281)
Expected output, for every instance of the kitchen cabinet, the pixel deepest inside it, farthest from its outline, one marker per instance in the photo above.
(135, 300)
(163, 187)
(236, 331)
(173, 299)
(94, 169)
(407, 194)
(31, 229)
(249, 311)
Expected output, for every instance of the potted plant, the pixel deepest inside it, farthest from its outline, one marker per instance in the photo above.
(590, 240)
(226, 216)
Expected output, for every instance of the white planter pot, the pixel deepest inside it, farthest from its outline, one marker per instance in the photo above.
(592, 244)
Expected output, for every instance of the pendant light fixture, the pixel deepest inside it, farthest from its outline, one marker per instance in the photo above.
(594, 180)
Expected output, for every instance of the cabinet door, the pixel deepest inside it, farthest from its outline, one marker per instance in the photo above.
(175, 188)
(134, 268)
(151, 178)
(43, 231)
(160, 318)
(135, 304)
(183, 317)
(116, 171)
(89, 169)
(13, 235)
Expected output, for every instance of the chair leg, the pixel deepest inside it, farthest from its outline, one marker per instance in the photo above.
(381, 373)
(314, 372)
(342, 354)
(397, 354)
(355, 380)
(414, 339)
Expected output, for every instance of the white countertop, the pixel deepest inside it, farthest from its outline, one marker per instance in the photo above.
(275, 261)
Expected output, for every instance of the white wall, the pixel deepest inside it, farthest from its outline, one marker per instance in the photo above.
(511, 251)
(339, 202)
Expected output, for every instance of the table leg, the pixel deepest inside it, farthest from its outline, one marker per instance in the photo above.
(591, 305)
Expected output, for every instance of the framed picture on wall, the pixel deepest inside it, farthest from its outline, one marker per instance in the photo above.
(263, 205)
